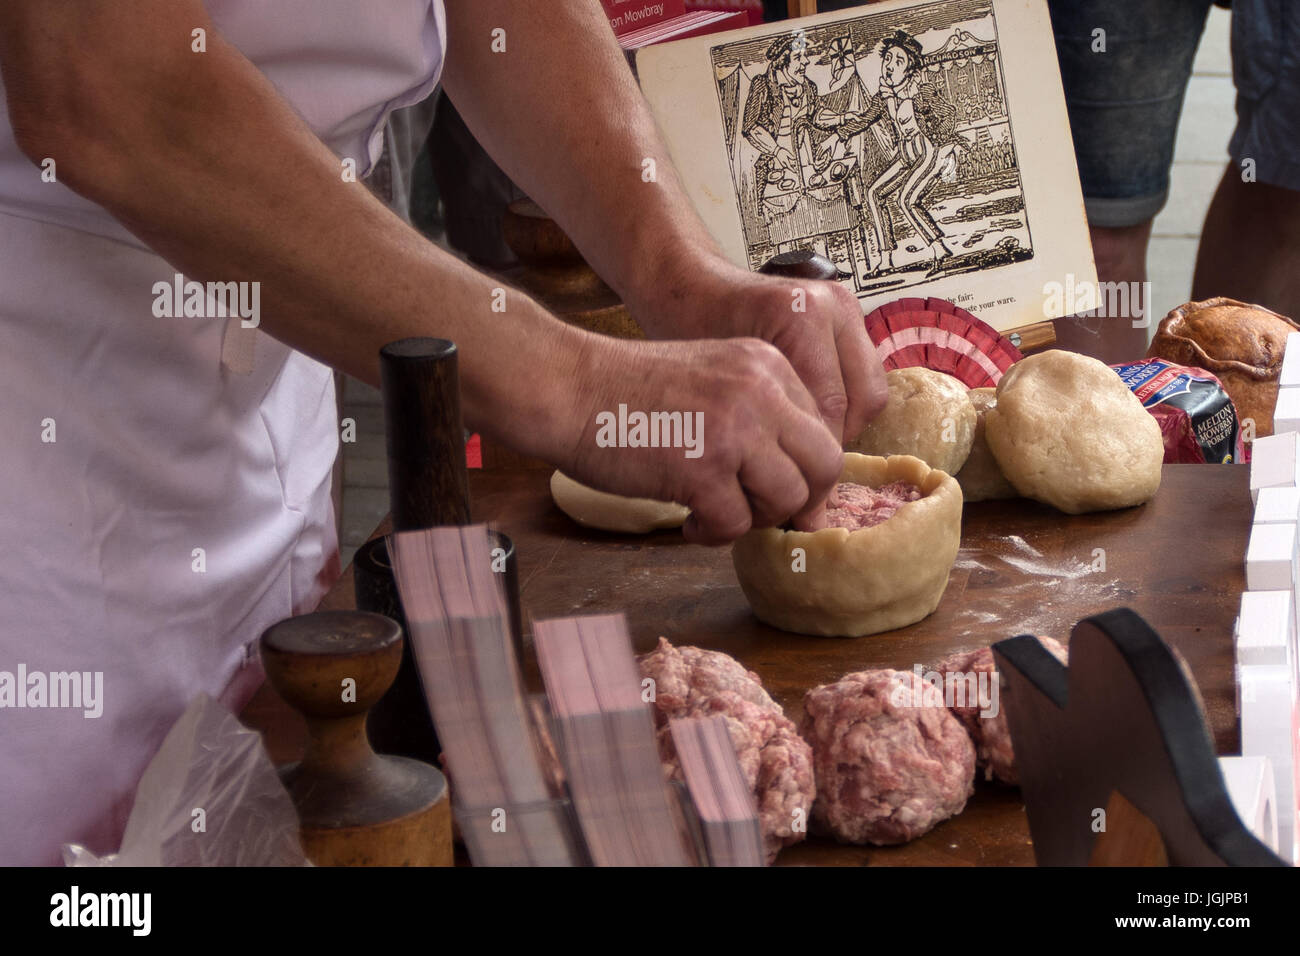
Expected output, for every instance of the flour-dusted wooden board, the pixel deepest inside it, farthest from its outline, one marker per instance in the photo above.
(1022, 567)
(1176, 561)
(815, 134)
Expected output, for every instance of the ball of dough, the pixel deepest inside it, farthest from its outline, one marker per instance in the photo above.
(844, 583)
(980, 478)
(890, 761)
(928, 416)
(1066, 431)
(606, 512)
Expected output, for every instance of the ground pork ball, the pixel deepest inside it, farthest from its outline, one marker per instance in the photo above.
(990, 734)
(774, 759)
(891, 761)
(855, 506)
(685, 675)
(775, 762)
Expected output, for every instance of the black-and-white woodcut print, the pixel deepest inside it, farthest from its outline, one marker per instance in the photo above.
(882, 141)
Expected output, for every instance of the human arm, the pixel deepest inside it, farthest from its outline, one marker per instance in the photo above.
(584, 166)
(199, 156)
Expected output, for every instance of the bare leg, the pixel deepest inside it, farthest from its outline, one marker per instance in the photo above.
(1121, 256)
(1250, 245)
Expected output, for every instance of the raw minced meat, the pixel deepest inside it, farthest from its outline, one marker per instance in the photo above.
(774, 759)
(891, 762)
(684, 675)
(855, 506)
(987, 725)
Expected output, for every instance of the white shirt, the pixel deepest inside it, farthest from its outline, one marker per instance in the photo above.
(159, 450)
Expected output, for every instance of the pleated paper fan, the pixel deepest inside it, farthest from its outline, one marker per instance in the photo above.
(935, 334)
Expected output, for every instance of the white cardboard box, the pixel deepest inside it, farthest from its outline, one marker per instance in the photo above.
(1290, 362)
(1271, 557)
(1273, 463)
(1254, 795)
(1265, 632)
(1275, 505)
(1267, 730)
(1286, 416)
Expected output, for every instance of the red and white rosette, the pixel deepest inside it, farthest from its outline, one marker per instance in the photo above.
(935, 334)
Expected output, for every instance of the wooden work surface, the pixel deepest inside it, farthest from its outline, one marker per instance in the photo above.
(1178, 561)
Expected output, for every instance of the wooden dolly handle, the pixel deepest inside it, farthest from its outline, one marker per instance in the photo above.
(428, 484)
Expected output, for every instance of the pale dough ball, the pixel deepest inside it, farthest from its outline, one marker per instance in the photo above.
(606, 512)
(980, 478)
(1067, 431)
(928, 417)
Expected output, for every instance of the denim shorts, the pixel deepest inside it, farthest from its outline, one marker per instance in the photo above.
(1266, 70)
(1124, 89)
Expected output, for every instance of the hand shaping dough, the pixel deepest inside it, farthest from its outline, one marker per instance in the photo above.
(1067, 431)
(980, 478)
(858, 582)
(928, 416)
(599, 509)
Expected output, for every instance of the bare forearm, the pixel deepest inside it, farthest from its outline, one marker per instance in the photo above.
(561, 112)
(199, 156)
(228, 184)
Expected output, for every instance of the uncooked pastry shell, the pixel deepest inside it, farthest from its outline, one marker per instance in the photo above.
(606, 512)
(858, 582)
(925, 407)
(1067, 431)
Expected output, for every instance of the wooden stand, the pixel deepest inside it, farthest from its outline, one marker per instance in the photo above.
(1116, 765)
(428, 486)
(356, 808)
(427, 481)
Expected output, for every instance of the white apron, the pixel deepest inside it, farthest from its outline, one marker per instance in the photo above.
(158, 450)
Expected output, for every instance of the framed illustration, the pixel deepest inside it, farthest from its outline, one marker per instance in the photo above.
(924, 148)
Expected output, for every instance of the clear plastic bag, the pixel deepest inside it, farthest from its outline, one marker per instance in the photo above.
(209, 797)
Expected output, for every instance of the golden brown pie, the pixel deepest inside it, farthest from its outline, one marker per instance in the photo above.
(1241, 344)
